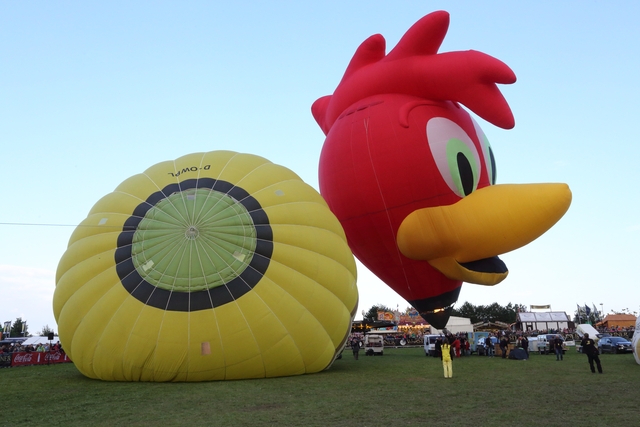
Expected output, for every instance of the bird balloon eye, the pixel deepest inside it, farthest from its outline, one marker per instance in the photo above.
(455, 155)
(487, 152)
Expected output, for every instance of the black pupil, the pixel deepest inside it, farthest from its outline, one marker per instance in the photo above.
(466, 173)
(493, 166)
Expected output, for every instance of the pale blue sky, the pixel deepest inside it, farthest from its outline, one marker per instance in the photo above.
(94, 92)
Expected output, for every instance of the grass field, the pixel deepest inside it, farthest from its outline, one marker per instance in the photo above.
(401, 388)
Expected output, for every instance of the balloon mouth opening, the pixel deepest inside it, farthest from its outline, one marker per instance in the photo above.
(438, 310)
(438, 317)
(486, 265)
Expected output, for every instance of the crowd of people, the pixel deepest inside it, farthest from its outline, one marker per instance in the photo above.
(20, 348)
(450, 346)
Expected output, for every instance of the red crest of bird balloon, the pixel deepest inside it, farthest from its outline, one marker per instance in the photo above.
(412, 177)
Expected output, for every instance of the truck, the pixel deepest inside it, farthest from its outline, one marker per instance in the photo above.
(476, 342)
(373, 345)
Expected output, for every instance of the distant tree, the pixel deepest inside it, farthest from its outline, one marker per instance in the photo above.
(520, 308)
(510, 313)
(20, 328)
(372, 314)
(489, 313)
(46, 330)
(493, 312)
(467, 310)
(624, 311)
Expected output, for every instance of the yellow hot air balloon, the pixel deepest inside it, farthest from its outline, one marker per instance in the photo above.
(214, 266)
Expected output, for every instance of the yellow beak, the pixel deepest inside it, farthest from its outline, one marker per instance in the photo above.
(489, 222)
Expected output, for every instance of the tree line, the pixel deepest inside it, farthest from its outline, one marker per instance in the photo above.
(20, 328)
(477, 313)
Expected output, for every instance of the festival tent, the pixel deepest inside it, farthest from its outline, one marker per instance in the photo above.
(39, 340)
(490, 326)
(455, 325)
(526, 321)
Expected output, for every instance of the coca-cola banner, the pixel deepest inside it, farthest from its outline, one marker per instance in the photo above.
(38, 358)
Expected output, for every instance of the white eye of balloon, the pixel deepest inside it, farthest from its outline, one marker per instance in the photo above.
(487, 152)
(455, 155)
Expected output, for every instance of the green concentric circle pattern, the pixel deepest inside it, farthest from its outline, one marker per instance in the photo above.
(193, 240)
(194, 245)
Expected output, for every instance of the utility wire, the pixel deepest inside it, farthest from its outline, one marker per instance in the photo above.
(31, 224)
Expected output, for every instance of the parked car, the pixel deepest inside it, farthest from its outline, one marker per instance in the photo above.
(614, 345)
(545, 341)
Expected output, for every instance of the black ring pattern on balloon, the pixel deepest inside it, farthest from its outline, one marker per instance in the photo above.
(154, 296)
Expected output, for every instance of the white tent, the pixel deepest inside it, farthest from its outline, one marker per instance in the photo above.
(544, 320)
(39, 340)
(455, 325)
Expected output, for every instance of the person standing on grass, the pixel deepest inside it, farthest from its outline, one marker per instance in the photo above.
(439, 347)
(557, 346)
(504, 343)
(589, 348)
(456, 346)
(524, 343)
(489, 344)
(447, 363)
(355, 347)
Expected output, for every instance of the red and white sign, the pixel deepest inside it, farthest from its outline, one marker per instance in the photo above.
(38, 358)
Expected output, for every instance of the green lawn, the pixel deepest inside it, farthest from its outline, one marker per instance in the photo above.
(401, 388)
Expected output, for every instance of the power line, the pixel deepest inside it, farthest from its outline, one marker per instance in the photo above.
(33, 224)
(37, 225)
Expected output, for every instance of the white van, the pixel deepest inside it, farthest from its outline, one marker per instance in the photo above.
(373, 345)
(430, 344)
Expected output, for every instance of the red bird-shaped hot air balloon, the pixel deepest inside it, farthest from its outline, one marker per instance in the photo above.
(411, 176)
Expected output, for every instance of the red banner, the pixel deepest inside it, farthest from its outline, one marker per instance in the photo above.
(38, 358)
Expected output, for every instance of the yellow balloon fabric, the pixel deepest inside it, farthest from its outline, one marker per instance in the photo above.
(214, 266)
